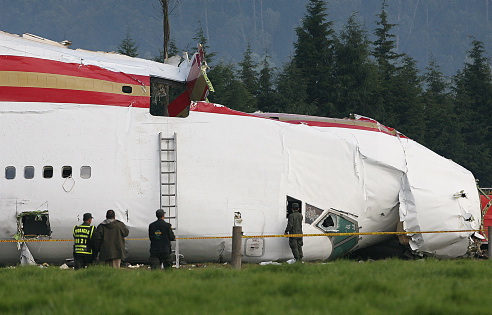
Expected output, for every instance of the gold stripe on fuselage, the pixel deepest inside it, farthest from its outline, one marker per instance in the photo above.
(67, 82)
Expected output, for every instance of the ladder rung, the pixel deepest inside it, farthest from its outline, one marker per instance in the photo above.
(168, 172)
(167, 150)
(171, 206)
(168, 184)
(170, 217)
(168, 195)
(167, 139)
(168, 161)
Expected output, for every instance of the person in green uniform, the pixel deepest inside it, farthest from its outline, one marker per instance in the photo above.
(83, 242)
(294, 226)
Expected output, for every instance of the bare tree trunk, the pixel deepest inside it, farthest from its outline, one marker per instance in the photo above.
(167, 35)
(165, 26)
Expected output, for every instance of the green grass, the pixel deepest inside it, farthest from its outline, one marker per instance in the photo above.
(340, 287)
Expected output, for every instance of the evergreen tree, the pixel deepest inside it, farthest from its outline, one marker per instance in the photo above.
(385, 45)
(247, 72)
(354, 71)
(314, 57)
(266, 92)
(405, 95)
(292, 92)
(128, 46)
(230, 91)
(201, 39)
(473, 96)
(384, 51)
(173, 51)
(442, 131)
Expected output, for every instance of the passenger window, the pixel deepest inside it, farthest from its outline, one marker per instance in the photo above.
(85, 172)
(48, 171)
(66, 171)
(29, 172)
(10, 172)
(126, 89)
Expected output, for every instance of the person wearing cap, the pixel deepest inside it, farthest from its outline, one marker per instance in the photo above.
(294, 226)
(83, 248)
(110, 240)
(160, 235)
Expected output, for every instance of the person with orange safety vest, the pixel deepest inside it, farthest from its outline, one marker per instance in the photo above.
(83, 252)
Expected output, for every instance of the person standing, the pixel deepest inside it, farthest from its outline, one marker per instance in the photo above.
(294, 226)
(83, 253)
(160, 235)
(110, 240)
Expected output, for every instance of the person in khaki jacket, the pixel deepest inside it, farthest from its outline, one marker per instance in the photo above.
(294, 226)
(110, 240)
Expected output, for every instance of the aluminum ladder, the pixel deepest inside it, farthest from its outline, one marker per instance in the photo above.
(168, 184)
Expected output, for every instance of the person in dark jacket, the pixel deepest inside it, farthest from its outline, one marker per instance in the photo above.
(110, 240)
(83, 236)
(160, 235)
(294, 226)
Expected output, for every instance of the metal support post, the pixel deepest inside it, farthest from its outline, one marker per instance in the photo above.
(489, 245)
(237, 233)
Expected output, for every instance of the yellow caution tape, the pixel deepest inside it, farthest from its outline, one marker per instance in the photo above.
(264, 236)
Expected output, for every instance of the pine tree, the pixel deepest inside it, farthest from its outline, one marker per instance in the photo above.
(173, 51)
(314, 57)
(201, 39)
(230, 91)
(354, 71)
(292, 92)
(442, 130)
(247, 72)
(128, 46)
(266, 93)
(473, 96)
(385, 45)
(405, 95)
(384, 52)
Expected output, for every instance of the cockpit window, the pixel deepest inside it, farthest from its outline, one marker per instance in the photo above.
(329, 222)
(10, 172)
(336, 221)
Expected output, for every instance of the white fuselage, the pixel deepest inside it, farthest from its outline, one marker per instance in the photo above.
(225, 164)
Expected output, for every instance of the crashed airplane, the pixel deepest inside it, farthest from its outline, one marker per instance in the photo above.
(79, 133)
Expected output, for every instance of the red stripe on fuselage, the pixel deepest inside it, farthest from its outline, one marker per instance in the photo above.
(211, 108)
(30, 64)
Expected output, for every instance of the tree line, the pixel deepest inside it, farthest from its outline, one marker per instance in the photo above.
(337, 74)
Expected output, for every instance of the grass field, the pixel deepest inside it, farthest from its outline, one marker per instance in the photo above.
(341, 287)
